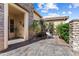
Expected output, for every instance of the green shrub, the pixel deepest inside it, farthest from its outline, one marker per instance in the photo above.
(36, 26)
(63, 31)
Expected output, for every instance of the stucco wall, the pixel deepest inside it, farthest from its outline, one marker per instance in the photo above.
(29, 7)
(36, 17)
(16, 14)
(20, 26)
(57, 23)
(1, 26)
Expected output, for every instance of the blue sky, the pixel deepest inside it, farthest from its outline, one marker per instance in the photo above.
(58, 9)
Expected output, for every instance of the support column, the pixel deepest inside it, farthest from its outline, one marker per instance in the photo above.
(26, 18)
(5, 25)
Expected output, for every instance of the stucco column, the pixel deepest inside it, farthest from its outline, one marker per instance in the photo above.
(26, 18)
(5, 25)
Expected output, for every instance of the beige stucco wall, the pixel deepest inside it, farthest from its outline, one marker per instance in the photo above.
(57, 23)
(29, 7)
(36, 17)
(20, 26)
(21, 18)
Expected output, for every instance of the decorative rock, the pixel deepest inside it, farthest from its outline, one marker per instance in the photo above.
(74, 35)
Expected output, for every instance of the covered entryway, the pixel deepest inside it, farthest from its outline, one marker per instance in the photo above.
(15, 22)
(17, 27)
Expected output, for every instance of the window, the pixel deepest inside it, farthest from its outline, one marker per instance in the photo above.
(11, 25)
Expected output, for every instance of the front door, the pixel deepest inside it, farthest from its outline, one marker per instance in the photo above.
(11, 28)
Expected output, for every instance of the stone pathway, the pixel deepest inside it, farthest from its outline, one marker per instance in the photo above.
(47, 47)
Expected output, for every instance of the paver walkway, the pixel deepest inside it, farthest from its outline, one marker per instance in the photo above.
(47, 47)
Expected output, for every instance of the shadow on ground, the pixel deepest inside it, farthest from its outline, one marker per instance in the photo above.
(21, 44)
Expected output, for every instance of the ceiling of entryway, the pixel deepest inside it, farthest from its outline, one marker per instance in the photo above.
(14, 10)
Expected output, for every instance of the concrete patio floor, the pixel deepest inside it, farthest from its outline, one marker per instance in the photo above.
(46, 47)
